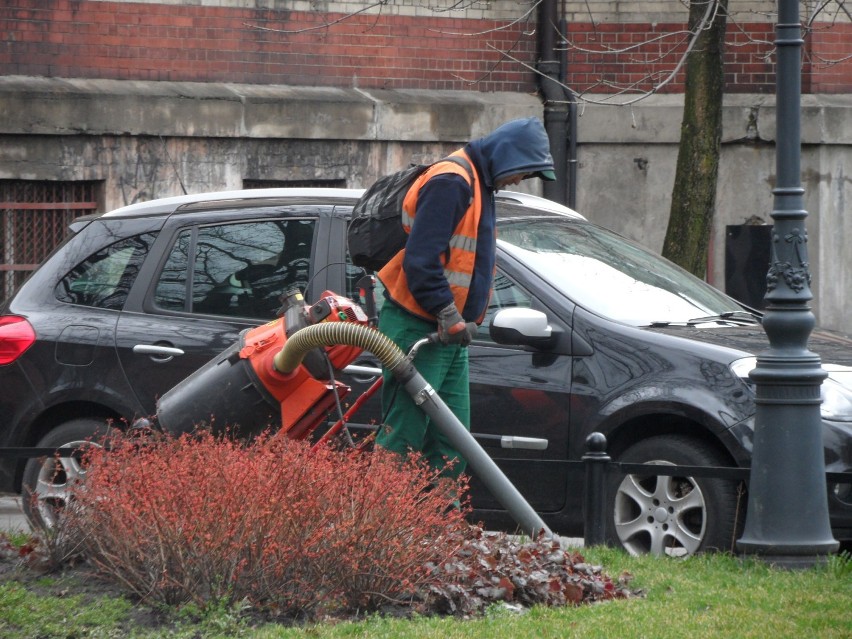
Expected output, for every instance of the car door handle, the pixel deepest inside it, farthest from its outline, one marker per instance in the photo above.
(526, 443)
(513, 441)
(160, 351)
(371, 371)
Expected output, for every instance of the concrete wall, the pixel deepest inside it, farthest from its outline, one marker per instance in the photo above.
(153, 139)
(146, 140)
(627, 164)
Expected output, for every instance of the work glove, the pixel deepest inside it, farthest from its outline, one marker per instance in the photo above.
(452, 328)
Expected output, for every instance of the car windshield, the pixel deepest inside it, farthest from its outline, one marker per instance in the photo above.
(610, 275)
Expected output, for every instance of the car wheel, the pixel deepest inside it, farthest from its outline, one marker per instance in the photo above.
(677, 516)
(48, 481)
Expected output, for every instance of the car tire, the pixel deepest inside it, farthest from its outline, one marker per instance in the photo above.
(676, 516)
(48, 481)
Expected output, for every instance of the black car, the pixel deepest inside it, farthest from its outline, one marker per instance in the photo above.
(137, 299)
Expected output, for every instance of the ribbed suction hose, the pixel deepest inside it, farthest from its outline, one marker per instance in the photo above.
(332, 333)
(392, 357)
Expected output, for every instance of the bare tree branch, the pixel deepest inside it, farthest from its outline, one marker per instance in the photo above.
(325, 25)
(495, 29)
(709, 15)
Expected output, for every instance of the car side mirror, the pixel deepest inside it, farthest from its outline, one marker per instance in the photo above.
(522, 327)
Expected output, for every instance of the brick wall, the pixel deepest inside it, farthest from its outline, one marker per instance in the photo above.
(404, 44)
(611, 56)
(153, 41)
(824, 47)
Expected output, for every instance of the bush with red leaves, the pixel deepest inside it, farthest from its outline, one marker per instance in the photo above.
(289, 530)
(298, 532)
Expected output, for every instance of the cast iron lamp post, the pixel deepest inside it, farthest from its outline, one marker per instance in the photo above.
(787, 519)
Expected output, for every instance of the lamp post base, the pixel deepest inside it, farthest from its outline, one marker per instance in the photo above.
(795, 557)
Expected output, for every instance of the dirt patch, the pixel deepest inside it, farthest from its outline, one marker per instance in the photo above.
(489, 569)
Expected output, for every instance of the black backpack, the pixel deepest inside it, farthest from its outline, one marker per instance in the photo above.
(375, 233)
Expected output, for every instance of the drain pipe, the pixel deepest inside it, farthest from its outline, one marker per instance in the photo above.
(572, 153)
(555, 104)
(571, 97)
(400, 365)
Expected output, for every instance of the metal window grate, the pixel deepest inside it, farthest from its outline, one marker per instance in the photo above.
(34, 218)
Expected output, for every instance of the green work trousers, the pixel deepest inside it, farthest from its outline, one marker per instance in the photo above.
(407, 428)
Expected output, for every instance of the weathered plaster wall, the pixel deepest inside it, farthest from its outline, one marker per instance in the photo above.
(152, 139)
(627, 164)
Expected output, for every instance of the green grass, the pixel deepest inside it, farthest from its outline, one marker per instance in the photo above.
(24, 613)
(709, 596)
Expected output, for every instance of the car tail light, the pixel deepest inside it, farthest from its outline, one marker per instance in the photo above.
(16, 336)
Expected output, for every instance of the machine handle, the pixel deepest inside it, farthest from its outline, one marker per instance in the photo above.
(434, 338)
(431, 338)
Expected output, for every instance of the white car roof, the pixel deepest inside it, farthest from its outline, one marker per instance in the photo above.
(170, 204)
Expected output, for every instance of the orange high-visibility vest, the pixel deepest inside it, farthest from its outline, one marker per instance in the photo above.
(458, 269)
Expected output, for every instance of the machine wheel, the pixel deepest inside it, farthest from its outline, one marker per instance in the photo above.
(48, 481)
(676, 516)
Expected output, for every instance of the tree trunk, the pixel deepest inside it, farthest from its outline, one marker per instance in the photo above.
(694, 194)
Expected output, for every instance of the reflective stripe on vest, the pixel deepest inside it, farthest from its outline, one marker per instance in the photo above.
(458, 269)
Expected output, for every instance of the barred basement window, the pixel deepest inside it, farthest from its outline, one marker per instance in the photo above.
(34, 218)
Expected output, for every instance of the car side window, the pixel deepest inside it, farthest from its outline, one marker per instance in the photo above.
(103, 280)
(237, 270)
(505, 293)
(170, 293)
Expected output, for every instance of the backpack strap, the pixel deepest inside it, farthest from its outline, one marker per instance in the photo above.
(409, 202)
(463, 163)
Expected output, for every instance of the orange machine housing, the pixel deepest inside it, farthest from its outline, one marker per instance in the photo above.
(304, 399)
(240, 391)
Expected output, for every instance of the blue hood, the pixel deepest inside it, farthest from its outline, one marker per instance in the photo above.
(518, 146)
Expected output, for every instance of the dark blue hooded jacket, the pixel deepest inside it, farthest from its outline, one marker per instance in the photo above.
(519, 146)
